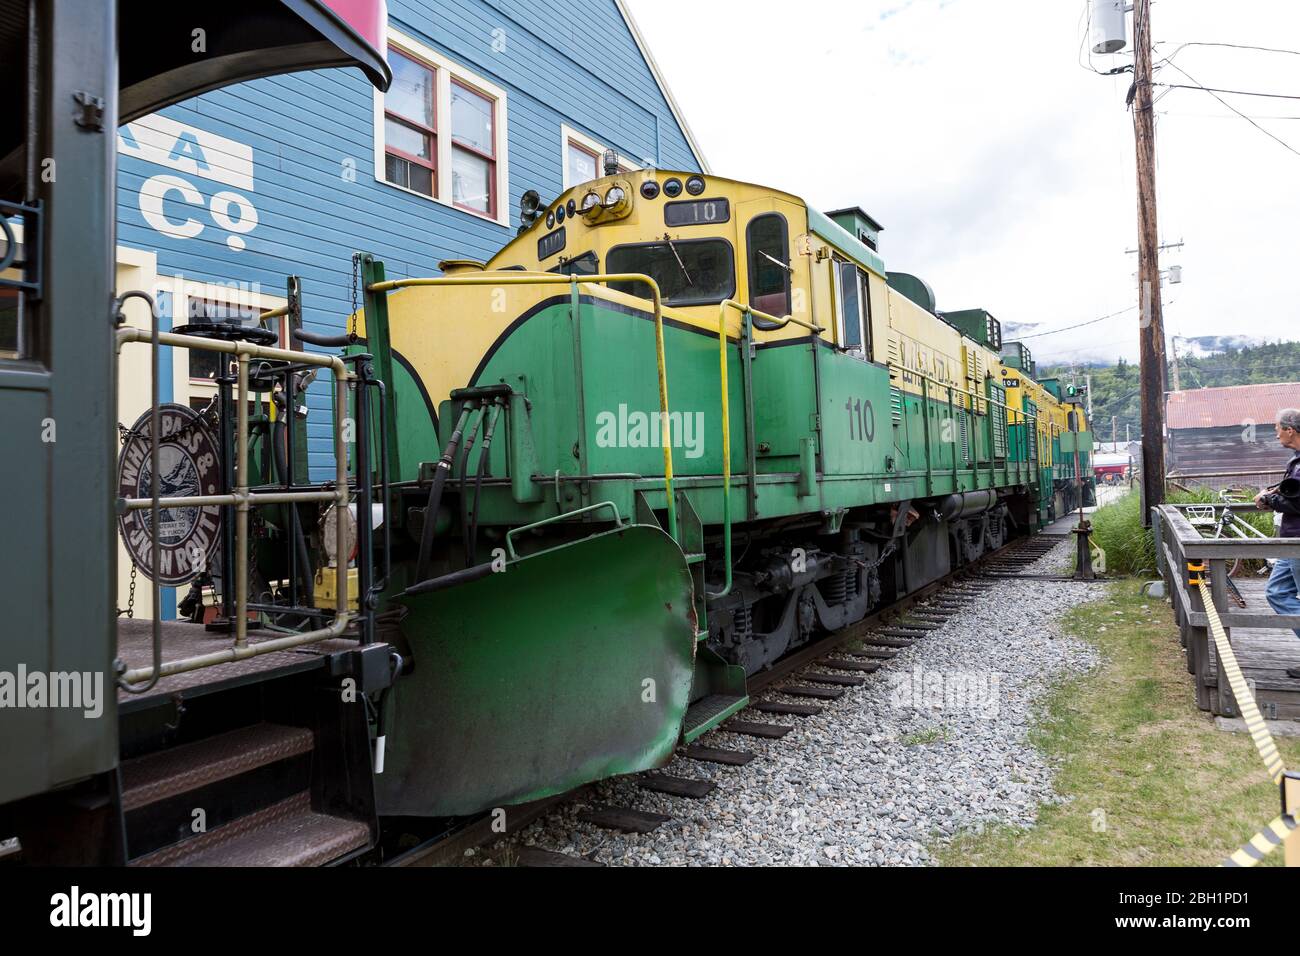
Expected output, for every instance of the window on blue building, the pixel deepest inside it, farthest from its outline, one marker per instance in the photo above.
(473, 154)
(583, 164)
(440, 131)
(409, 135)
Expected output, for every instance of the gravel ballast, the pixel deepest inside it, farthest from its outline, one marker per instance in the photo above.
(934, 743)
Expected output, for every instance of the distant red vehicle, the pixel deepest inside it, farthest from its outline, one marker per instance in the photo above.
(1110, 474)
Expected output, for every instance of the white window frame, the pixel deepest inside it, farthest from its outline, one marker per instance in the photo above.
(570, 135)
(444, 71)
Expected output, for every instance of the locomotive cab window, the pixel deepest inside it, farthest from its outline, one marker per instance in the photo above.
(852, 309)
(584, 265)
(767, 241)
(689, 271)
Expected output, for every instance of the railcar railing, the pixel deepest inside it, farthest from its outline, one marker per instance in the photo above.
(1181, 538)
(1015, 416)
(241, 498)
(1186, 558)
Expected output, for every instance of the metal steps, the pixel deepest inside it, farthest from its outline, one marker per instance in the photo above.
(168, 773)
(287, 833)
(249, 792)
(708, 712)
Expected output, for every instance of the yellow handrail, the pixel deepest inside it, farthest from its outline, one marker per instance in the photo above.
(499, 280)
(726, 422)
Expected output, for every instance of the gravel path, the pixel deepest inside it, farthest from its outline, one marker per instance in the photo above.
(934, 743)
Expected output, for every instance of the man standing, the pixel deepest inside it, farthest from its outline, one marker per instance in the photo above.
(1284, 584)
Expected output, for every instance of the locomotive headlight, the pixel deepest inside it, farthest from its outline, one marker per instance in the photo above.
(616, 204)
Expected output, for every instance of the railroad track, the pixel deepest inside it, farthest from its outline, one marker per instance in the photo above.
(881, 636)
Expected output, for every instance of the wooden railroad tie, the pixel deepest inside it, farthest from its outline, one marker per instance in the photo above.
(839, 680)
(874, 653)
(533, 856)
(894, 640)
(751, 729)
(677, 786)
(623, 819)
(792, 710)
(805, 690)
(865, 667)
(720, 755)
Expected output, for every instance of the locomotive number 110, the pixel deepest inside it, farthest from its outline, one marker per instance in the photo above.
(862, 419)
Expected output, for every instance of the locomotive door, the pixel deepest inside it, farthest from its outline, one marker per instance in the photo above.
(785, 373)
(1031, 438)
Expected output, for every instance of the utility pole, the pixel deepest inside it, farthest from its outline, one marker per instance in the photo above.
(1114, 436)
(1173, 343)
(1151, 333)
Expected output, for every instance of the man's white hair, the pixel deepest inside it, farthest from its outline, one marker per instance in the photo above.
(1289, 418)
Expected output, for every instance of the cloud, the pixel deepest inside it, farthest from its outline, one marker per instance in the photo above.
(1002, 170)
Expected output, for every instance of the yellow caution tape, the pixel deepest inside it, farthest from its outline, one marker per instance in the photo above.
(1255, 724)
(1275, 834)
(1263, 843)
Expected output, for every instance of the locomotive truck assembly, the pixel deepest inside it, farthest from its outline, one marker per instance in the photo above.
(674, 431)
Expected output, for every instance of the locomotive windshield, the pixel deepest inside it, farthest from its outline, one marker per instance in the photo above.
(689, 271)
(586, 264)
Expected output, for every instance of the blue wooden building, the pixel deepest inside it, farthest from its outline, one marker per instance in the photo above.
(221, 197)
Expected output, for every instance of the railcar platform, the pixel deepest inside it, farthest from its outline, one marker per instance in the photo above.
(1264, 655)
(182, 640)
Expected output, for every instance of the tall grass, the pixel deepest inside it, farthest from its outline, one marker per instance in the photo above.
(1130, 548)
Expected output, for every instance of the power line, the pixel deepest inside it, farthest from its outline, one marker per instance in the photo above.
(1241, 368)
(1235, 110)
(1235, 46)
(1034, 335)
(1220, 115)
(1216, 89)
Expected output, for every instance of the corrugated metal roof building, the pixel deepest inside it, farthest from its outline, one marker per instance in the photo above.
(1228, 432)
(1236, 406)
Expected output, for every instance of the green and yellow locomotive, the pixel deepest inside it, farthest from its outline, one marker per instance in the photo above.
(677, 428)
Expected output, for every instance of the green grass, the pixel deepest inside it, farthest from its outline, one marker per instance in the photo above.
(923, 737)
(1130, 548)
(1149, 780)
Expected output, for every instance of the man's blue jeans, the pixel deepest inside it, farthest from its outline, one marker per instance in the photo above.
(1284, 587)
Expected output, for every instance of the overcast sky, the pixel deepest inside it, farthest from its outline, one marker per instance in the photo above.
(1001, 166)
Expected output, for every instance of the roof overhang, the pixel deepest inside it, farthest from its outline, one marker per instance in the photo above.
(243, 40)
(163, 58)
